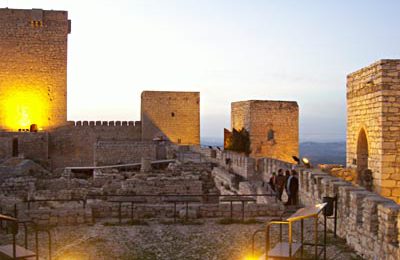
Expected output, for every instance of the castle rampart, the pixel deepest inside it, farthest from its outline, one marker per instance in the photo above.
(369, 222)
(75, 145)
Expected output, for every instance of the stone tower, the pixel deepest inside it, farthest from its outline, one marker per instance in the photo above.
(273, 127)
(171, 115)
(373, 125)
(33, 69)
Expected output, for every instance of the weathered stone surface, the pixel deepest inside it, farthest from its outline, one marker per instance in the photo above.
(372, 108)
(273, 127)
(173, 116)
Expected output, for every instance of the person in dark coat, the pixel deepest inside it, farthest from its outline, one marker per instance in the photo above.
(287, 176)
(293, 188)
(272, 181)
(280, 184)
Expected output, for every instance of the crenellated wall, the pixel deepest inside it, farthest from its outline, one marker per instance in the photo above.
(74, 144)
(368, 221)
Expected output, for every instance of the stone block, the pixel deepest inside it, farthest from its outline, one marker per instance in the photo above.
(388, 183)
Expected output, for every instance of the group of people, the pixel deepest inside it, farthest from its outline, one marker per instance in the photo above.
(288, 182)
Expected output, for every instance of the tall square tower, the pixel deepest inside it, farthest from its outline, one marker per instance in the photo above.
(373, 125)
(273, 127)
(33, 68)
(174, 116)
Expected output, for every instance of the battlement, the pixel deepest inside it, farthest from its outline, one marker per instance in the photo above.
(33, 14)
(105, 123)
(364, 217)
(276, 104)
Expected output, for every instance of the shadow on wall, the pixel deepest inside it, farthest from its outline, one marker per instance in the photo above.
(151, 131)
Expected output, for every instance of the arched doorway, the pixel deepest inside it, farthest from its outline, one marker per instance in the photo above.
(362, 155)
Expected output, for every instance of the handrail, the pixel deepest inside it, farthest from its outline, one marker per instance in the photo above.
(117, 165)
(7, 218)
(91, 196)
(253, 240)
(83, 200)
(37, 241)
(14, 232)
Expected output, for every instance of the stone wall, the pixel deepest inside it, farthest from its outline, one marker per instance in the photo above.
(266, 166)
(239, 164)
(106, 210)
(373, 124)
(171, 115)
(29, 145)
(33, 68)
(368, 222)
(74, 145)
(60, 216)
(122, 152)
(162, 185)
(273, 127)
(233, 162)
(249, 168)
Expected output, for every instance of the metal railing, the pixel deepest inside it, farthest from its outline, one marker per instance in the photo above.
(179, 198)
(30, 201)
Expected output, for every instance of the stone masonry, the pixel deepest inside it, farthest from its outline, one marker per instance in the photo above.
(373, 125)
(174, 116)
(33, 91)
(273, 127)
(33, 68)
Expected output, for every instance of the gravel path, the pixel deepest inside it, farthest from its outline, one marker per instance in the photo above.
(205, 239)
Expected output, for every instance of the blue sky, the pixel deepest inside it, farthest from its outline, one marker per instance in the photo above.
(229, 50)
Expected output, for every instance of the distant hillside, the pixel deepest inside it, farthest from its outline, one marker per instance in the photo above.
(317, 153)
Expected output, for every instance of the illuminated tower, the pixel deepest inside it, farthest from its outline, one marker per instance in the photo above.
(33, 68)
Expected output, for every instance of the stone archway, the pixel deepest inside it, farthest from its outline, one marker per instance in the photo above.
(362, 159)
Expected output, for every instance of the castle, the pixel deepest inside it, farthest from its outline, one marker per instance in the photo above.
(33, 100)
(33, 111)
(33, 103)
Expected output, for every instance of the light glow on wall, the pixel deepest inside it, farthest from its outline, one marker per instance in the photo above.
(22, 106)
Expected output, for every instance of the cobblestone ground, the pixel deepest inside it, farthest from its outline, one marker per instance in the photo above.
(203, 239)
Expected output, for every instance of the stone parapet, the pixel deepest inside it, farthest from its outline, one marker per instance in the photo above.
(368, 221)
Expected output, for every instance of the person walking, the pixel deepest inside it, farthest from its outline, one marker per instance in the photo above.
(287, 176)
(272, 181)
(280, 184)
(293, 188)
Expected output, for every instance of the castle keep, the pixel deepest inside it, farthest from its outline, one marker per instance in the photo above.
(373, 125)
(33, 68)
(273, 127)
(33, 103)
